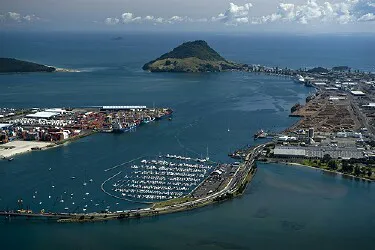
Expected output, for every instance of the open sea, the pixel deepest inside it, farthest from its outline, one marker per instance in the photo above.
(284, 207)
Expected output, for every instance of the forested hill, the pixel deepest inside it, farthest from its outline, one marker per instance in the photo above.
(195, 56)
(11, 65)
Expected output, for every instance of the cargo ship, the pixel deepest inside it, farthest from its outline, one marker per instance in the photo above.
(260, 134)
(148, 119)
(165, 113)
(117, 127)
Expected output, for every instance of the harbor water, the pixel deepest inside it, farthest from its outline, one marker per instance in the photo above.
(283, 207)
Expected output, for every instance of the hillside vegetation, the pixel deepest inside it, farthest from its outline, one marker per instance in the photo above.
(11, 65)
(194, 56)
(198, 49)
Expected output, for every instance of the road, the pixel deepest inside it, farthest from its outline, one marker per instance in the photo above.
(233, 185)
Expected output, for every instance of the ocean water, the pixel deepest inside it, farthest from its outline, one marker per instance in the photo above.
(284, 207)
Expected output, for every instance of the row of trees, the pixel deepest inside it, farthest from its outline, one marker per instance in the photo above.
(347, 166)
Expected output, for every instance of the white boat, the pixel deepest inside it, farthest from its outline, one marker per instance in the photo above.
(299, 79)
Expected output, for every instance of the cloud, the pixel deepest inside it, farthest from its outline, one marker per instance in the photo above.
(111, 21)
(310, 12)
(13, 17)
(130, 18)
(367, 18)
(348, 11)
(235, 14)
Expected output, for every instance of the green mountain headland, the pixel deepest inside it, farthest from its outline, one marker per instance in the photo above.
(196, 56)
(11, 65)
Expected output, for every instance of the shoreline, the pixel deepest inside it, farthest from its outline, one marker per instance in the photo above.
(14, 148)
(323, 170)
(22, 147)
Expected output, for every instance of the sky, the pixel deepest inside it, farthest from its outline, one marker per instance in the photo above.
(327, 16)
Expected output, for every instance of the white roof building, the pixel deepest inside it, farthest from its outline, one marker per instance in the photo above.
(357, 93)
(42, 114)
(320, 83)
(286, 138)
(124, 107)
(370, 105)
(56, 110)
(289, 151)
(337, 98)
(5, 125)
(349, 83)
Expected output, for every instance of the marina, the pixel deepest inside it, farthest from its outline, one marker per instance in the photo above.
(172, 178)
(162, 178)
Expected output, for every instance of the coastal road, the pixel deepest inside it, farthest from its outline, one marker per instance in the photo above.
(233, 185)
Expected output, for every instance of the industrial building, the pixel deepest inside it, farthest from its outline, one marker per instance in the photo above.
(357, 93)
(318, 152)
(118, 108)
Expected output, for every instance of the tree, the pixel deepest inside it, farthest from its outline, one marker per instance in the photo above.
(326, 158)
(369, 172)
(346, 167)
(357, 170)
(332, 164)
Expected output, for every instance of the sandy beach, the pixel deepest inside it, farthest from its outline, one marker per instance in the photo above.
(67, 70)
(19, 147)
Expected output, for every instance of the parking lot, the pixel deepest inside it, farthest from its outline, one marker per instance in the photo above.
(215, 181)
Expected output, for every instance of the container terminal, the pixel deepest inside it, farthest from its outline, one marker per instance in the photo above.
(23, 130)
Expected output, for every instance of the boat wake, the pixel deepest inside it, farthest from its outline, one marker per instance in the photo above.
(178, 134)
(123, 164)
(93, 69)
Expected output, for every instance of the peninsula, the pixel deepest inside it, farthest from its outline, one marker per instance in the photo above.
(196, 56)
(11, 65)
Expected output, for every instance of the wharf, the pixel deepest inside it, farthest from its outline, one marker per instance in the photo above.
(24, 130)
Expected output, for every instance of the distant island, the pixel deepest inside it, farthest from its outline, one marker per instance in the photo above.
(341, 68)
(194, 56)
(117, 38)
(318, 70)
(11, 65)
